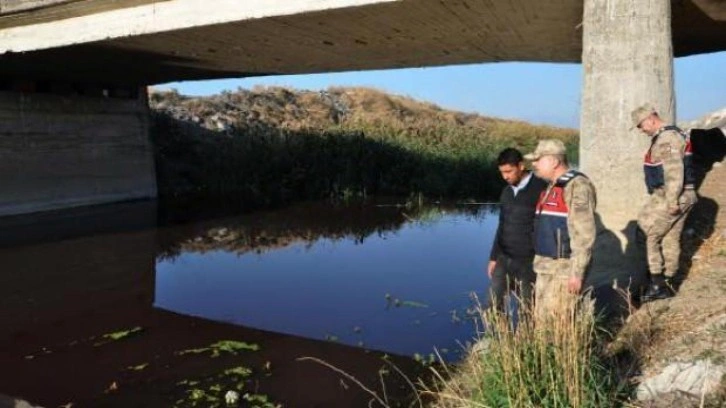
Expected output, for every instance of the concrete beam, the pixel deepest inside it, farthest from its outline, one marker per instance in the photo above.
(15, 13)
(14, 6)
(716, 9)
(157, 17)
(66, 151)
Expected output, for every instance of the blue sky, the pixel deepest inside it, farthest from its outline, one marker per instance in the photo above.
(536, 92)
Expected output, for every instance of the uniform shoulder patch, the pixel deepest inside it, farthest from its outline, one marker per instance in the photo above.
(580, 193)
(666, 150)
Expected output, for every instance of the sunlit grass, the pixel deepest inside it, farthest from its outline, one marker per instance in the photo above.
(546, 362)
(284, 145)
(222, 346)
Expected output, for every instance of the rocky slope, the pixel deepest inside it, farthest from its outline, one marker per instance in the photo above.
(266, 108)
(713, 119)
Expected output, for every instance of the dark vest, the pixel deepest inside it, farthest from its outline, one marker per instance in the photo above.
(552, 237)
(654, 176)
(516, 219)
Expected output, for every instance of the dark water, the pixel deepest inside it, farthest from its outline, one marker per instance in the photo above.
(390, 279)
(374, 277)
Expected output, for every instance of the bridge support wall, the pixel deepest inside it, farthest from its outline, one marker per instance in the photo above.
(67, 146)
(627, 60)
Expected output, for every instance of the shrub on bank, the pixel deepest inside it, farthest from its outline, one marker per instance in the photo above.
(273, 145)
(543, 363)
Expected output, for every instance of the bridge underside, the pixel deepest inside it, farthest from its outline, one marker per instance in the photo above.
(377, 36)
(75, 128)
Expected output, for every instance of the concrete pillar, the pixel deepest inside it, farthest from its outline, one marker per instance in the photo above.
(627, 60)
(66, 145)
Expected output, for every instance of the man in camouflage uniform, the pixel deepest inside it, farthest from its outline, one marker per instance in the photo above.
(670, 182)
(564, 229)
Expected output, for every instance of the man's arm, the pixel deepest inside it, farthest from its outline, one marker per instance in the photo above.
(581, 200)
(496, 247)
(670, 149)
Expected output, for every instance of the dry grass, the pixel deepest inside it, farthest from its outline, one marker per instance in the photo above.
(692, 325)
(273, 145)
(676, 325)
(553, 360)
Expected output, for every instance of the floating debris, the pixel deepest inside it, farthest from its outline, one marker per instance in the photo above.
(390, 300)
(119, 335)
(138, 367)
(231, 397)
(227, 346)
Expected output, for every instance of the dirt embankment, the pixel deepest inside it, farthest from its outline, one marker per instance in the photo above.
(681, 342)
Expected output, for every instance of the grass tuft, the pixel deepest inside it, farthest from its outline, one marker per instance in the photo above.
(556, 360)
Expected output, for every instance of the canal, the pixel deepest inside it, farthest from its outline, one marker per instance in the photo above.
(115, 306)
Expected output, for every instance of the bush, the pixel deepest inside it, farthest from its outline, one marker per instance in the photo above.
(274, 145)
(545, 363)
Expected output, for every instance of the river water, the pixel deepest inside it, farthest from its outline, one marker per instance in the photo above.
(348, 280)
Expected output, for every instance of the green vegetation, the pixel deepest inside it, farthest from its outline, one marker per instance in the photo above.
(118, 335)
(272, 145)
(138, 367)
(225, 389)
(122, 334)
(228, 388)
(223, 346)
(548, 362)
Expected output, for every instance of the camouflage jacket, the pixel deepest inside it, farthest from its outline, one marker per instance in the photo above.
(668, 148)
(581, 201)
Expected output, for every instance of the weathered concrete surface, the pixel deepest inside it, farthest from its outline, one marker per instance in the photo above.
(192, 39)
(627, 61)
(14, 6)
(26, 12)
(716, 9)
(64, 151)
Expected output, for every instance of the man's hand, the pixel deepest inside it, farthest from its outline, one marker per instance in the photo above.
(574, 285)
(674, 210)
(490, 268)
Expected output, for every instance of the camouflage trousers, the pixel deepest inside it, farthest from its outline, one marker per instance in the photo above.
(663, 231)
(551, 297)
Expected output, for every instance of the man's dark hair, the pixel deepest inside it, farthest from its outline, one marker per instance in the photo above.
(511, 156)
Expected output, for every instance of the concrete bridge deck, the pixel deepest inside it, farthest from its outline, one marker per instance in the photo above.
(146, 42)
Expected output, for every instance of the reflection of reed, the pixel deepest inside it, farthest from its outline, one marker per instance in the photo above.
(304, 223)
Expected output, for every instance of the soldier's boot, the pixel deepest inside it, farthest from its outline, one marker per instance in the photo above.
(657, 289)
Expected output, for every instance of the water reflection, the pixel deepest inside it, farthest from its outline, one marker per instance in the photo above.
(391, 278)
(382, 277)
(67, 277)
(57, 264)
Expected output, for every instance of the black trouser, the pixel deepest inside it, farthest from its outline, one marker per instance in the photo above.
(512, 274)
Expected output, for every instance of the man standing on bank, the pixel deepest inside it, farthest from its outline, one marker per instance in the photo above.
(564, 228)
(510, 262)
(670, 181)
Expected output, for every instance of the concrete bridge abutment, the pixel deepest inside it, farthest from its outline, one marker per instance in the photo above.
(67, 145)
(627, 60)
